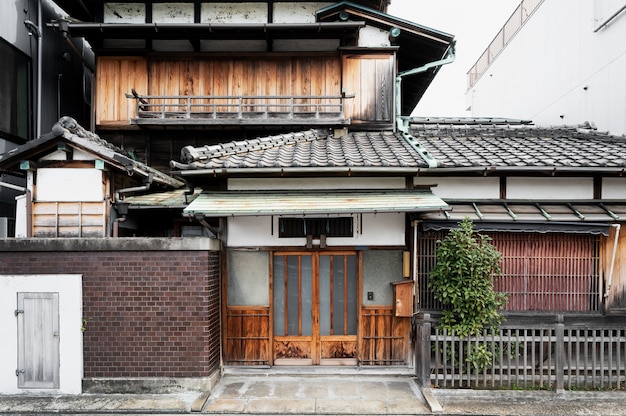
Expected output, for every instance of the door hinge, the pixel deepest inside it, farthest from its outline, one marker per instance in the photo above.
(18, 311)
(18, 372)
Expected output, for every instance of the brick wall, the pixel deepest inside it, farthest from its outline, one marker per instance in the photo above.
(151, 313)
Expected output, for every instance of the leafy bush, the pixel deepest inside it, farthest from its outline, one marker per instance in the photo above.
(462, 280)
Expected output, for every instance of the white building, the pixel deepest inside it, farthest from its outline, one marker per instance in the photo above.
(556, 62)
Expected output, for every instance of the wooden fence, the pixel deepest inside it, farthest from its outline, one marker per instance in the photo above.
(530, 356)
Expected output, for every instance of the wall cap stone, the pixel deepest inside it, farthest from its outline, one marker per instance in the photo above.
(110, 244)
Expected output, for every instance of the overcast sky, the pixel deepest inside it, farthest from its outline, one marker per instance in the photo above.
(474, 24)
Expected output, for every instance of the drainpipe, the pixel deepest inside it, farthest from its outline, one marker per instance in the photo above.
(416, 297)
(608, 285)
(122, 206)
(403, 127)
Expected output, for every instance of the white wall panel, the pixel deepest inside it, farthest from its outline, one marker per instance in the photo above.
(385, 229)
(549, 188)
(69, 288)
(61, 184)
(240, 184)
(462, 188)
(614, 188)
(233, 13)
(297, 12)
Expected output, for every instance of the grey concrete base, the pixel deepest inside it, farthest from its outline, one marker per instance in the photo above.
(149, 385)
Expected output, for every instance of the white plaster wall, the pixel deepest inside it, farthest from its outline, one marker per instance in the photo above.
(21, 223)
(614, 188)
(124, 13)
(242, 184)
(62, 184)
(69, 288)
(76, 155)
(373, 37)
(462, 188)
(173, 12)
(233, 13)
(297, 12)
(549, 188)
(384, 229)
(557, 71)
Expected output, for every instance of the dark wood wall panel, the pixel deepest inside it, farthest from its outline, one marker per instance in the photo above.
(247, 336)
(384, 337)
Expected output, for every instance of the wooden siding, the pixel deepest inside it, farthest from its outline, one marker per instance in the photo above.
(69, 219)
(116, 76)
(270, 76)
(384, 337)
(38, 340)
(247, 335)
(371, 79)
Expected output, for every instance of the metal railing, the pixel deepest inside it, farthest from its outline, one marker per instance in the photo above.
(504, 36)
(258, 107)
(538, 356)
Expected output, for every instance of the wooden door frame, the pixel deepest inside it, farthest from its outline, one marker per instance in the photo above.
(315, 338)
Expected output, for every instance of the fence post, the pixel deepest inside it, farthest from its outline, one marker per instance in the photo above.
(422, 350)
(560, 353)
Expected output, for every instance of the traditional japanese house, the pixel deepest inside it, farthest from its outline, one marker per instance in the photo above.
(297, 223)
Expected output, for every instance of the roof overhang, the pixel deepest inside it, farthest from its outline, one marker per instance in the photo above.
(418, 45)
(254, 203)
(588, 217)
(96, 33)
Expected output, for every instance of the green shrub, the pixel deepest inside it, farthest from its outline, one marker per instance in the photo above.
(462, 280)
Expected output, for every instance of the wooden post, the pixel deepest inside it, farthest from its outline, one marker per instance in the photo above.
(422, 351)
(560, 353)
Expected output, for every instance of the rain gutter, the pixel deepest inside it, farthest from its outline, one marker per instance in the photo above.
(401, 122)
(144, 187)
(282, 171)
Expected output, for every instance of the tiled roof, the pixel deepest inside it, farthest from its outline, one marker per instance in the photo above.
(461, 146)
(311, 148)
(458, 146)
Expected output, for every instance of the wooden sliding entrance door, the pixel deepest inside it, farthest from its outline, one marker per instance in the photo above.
(315, 305)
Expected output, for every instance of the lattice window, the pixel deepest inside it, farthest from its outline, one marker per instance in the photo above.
(541, 272)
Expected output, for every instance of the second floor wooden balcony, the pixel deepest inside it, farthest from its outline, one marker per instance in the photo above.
(172, 110)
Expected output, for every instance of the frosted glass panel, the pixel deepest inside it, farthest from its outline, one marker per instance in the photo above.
(324, 295)
(292, 291)
(351, 309)
(307, 295)
(338, 295)
(279, 295)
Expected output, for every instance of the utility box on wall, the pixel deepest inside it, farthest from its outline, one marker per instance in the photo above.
(403, 298)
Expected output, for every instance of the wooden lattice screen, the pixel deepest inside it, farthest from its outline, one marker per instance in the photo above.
(540, 272)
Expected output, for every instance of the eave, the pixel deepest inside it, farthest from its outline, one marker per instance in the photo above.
(418, 45)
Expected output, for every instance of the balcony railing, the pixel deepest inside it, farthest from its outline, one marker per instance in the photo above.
(249, 109)
(504, 36)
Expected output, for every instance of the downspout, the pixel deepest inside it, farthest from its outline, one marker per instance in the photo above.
(610, 280)
(401, 125)
(118, 198)
(416, 295)
(39, 69)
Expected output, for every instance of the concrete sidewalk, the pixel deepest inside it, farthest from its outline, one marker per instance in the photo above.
(325, 394)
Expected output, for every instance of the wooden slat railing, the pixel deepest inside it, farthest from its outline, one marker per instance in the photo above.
(538, 356)
(229, 107)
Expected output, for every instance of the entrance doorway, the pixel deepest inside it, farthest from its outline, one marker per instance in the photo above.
(316, 306)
